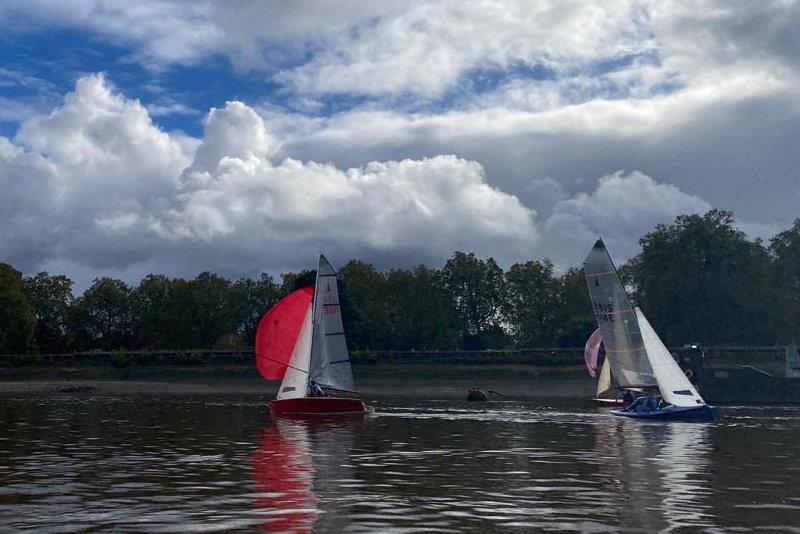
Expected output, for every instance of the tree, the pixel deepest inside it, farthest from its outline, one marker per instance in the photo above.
(577, 316)
(102, 317)
(785, 251)
(212, 312)
(421, 311)
(17, 319)
(478, 290)
(250, 299)
(533, 306)
(700, 279)
(51, 297)
(362, 290)
(157, 317)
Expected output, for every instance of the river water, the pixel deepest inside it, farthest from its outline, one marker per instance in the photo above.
(177, 463)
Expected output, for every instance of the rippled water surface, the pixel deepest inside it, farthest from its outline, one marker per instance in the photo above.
(206, 463)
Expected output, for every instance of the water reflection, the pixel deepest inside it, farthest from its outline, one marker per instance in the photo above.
(298, 469)
(282, 472)
(208, 463)
(660, 472)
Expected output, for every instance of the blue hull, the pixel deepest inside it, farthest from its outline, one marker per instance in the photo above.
(672, 413)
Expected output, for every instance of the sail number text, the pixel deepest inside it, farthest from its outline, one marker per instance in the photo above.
(604, 311)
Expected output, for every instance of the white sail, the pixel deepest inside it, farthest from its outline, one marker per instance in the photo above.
(617, 321)
(604, 381)
(792, 361)
(674, 385)
(295, 381)
(330, 361)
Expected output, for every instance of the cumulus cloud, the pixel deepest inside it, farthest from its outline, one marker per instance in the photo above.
(621, 209)
(96, 183)
(531, 101)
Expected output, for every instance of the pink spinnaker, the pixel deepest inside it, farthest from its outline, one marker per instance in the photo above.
(591, 352)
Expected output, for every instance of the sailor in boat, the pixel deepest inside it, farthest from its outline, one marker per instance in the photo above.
(628, 398)
(314, 390)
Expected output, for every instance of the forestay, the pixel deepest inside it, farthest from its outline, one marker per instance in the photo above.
(330, 361)
(622, 339)
(674, 385)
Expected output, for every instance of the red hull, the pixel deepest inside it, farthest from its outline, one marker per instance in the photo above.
(318, 406)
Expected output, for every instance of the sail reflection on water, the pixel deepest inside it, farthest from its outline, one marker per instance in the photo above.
(298, 470)
(283, 475)
(661, 469)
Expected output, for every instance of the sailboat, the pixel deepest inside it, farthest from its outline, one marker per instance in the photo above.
(637, 357)
(594, 356)
(300, 341)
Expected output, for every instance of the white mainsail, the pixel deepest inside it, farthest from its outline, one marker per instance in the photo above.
(295, 381)
(616, 319)
(330, 361)
(675, 387)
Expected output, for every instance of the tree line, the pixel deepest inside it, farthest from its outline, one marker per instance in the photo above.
(698, 279)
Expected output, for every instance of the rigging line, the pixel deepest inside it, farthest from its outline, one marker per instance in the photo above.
(283, 363)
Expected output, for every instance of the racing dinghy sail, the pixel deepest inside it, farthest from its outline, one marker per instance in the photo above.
(301, 341)
(637, 357)
(594, 355)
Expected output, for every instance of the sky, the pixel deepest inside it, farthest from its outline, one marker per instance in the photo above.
(244, 136)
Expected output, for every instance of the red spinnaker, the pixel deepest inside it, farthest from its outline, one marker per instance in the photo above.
(277, 333)
(591, 352)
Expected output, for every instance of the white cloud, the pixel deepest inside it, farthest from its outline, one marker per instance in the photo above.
(622, 209)
(427, 47)
(96, 183)
(703, 96)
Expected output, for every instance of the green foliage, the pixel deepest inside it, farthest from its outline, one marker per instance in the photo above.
(577, 317)
(478, 292)
(533, 306)
(101, 317)
(17, 319)
(51, 298)
(785, 251)
(700, 279)
(421, 310)
(249, 299)
(364, 310)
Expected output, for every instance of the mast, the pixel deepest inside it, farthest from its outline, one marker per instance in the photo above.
(313, 320)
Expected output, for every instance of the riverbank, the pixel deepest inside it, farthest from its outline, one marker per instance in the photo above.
(452, 388)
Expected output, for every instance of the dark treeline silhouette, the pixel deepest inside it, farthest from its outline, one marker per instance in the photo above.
(699, 279)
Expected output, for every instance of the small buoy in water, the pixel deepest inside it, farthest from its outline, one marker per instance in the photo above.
(477, 394)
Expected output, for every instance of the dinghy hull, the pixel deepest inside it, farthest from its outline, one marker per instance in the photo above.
(317, 406)
(673, 413)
